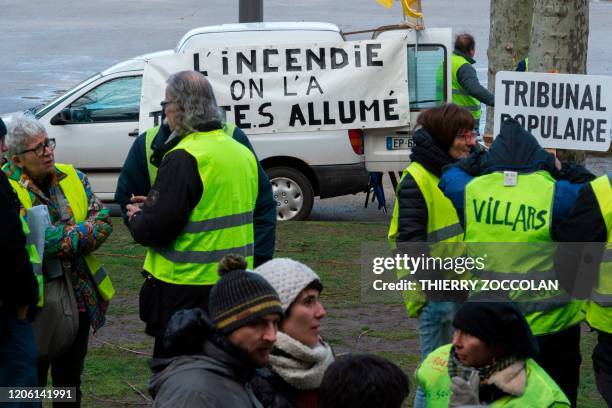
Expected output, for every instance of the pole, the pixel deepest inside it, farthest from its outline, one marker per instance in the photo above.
(250, 11)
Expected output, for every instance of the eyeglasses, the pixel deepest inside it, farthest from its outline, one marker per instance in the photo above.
(470, 136)
(39, 150)
(163, 104)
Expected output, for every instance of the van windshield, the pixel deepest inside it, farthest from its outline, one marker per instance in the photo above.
(42, 110)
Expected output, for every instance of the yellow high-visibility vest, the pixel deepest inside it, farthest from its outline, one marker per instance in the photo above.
(540, 389)
(222, 221)
(496, 213)
(74, 191)
(442, 224)
(599, 308)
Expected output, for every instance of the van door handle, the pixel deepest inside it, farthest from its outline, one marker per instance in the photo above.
(402, 132)
(133, 133)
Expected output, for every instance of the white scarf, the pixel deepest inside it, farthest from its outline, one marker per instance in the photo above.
(305, 369)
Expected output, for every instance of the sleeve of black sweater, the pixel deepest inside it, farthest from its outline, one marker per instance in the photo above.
(176, 192)
(412, 215)
(18, 285)
(466, 76)
(134, 177)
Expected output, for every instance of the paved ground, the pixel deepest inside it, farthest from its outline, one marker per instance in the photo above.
(49, 46)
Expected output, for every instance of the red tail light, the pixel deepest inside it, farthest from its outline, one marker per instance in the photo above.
(356, 138)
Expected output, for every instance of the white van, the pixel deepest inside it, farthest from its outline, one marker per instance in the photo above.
(429, 84)
(95, 123)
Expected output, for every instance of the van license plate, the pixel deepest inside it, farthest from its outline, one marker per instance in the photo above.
(399, 143)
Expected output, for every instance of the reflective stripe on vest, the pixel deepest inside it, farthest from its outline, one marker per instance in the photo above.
(495, 213)
(442, 223)
(540, 389)
(599, 309)
(75, 194)
(35, 261)
(150, 137)
(222, 221)
(460, 96)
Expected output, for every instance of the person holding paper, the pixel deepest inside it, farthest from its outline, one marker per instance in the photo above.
(79, 225)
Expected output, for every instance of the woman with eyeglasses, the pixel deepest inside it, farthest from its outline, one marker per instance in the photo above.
(73, 276)
(423, 216)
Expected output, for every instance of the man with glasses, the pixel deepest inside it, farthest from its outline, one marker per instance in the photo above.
(140, 169)
(18, 291)
(199, 208)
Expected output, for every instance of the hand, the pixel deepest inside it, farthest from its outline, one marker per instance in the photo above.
(21, 312)
(465, 392)
(138, 199)
(132, 210)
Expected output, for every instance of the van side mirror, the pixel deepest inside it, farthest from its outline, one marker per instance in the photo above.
(62, 117)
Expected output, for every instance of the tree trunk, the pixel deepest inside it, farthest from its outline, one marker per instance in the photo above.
(559, 42)
(508, 40)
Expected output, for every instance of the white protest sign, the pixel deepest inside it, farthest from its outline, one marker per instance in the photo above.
(562, 111)
(291, 88)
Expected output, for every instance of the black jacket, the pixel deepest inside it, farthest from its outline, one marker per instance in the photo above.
(580, 252)
(272, 391)
(467, 78)
(18, 285)
(412, 219)
(412, 213)
(134, 179)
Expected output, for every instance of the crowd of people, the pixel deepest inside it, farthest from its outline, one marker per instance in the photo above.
(236, 327)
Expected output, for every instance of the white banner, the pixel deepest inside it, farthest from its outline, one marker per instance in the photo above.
(291, 88)
(562, 111)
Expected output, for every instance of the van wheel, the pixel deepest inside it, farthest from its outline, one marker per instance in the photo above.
(292, 192)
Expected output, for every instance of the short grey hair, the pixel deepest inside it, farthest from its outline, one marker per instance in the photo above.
(21, 129)
(193, 100)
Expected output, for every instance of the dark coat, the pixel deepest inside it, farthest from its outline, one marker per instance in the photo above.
(210, 372)
(467, 78)
(134, 179)
(584, 234)
(213, 378)
(412, 216)
(412, 212)
(274, 392)
(18, 285)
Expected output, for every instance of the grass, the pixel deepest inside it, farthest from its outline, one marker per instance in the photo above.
(116, 370)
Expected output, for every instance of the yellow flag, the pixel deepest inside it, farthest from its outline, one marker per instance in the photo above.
(386, 3)
(408, 10)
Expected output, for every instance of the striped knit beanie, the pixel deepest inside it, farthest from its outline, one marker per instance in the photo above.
(240, 297)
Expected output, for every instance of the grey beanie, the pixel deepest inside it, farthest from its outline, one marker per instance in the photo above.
(288, 278)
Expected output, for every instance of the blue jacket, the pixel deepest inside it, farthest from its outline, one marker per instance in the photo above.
(134, 179)
(515, 149)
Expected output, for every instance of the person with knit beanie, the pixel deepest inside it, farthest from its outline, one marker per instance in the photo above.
(299, 357)
(219, 350)
(490, 361)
